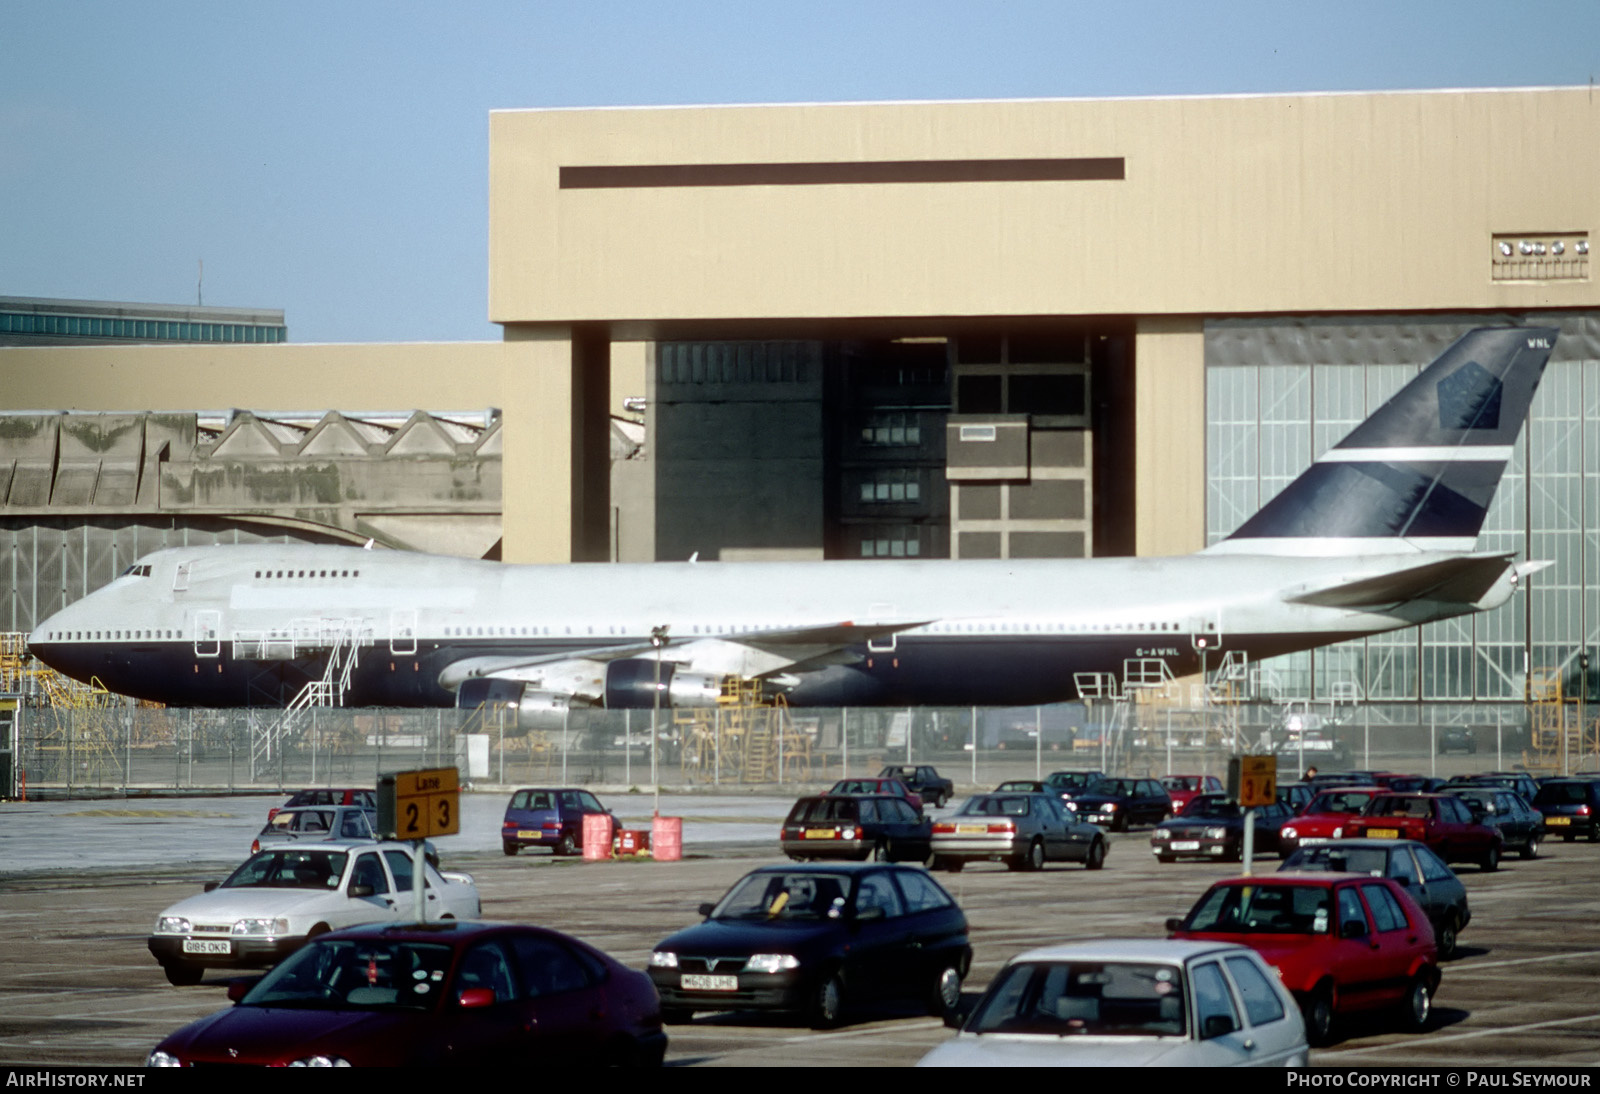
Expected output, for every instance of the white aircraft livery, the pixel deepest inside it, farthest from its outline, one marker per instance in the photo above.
(1376, 535)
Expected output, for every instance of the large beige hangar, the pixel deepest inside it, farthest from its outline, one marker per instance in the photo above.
(988, 329)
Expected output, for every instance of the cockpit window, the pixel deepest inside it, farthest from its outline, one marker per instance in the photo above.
(137, 571)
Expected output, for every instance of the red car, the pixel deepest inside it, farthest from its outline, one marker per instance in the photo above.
(1183, 789)
(365, 797)
(1442, 821)
(442, 993)
(1326, 818)
(1341, 942)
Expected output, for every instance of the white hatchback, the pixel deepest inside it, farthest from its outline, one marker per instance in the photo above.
(1134, 1002)
(284, 895)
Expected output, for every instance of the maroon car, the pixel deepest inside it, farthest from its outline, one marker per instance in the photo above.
(442, 993)
(1441, 821)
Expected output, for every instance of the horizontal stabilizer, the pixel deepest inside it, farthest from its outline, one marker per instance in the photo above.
(1464, 580)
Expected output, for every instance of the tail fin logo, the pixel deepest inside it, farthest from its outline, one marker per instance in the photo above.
(1538, 343)
(1469, 398)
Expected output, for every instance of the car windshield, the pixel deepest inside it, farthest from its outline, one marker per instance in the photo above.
(1070, 779)
(289, 869)
(785, 896)
(1340, 860)
(1181, 782)
(1399, 806)
(1112, 787)
(1562, 794)
(533, 799)
(1062, 999)
(990, 805)
(356, 974)
(816, 810)
(1216, 806)
(1262, 909)
(1341, 801)
(863, 786)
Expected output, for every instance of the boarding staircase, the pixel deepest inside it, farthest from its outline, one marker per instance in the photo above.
(342, 639)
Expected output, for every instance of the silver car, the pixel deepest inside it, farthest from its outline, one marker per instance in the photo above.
(1023, 830)
(284, 895)
(1135, 1002)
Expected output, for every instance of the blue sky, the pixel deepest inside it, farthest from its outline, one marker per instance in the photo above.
(331, 159)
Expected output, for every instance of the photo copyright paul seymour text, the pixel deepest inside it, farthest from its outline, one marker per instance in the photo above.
(1462, 1079)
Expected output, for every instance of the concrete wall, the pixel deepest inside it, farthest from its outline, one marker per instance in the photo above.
(1296, 203)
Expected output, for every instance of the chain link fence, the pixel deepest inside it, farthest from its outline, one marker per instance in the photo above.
(114, 747)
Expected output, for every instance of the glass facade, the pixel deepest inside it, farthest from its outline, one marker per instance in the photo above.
(137, 330)
(1279, 393)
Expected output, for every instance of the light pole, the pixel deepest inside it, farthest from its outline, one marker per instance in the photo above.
(658, 638)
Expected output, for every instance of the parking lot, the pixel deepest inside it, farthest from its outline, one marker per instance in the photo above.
(81, 987)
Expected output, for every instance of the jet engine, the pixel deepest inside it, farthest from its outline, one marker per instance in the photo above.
(532, 709)
(631, 685)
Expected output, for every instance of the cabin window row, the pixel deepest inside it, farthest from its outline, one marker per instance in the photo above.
(265, 575)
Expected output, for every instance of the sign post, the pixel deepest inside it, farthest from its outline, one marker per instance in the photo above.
(1252, 781)
(415, 805)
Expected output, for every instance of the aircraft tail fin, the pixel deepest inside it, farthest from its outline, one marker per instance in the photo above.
(1418, 474)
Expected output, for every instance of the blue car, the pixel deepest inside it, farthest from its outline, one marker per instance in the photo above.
(550, 818)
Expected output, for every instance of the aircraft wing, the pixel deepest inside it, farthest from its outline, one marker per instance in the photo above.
(755, 654)
(1466, 579)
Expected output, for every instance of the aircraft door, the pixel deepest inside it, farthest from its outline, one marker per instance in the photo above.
(207, 634)
(403, 632)
(180, 579)
(885, 643)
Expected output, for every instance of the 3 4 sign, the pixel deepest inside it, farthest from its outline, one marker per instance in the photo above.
(419, 804)
(1253, 780)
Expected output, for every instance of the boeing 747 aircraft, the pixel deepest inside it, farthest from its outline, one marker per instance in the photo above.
(1376, 535)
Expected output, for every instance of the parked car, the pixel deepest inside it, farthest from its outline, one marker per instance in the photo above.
(873, 787)
(1183, 789)
(1119, 804)
(884, 828)
(1023, 830)
(365, 797)
(934, 788)
(1441, 821)
(1144, 1002)
(1432, 884)
(1069, 784)
(469, 994)
(818, 941)
(549, 817)
(316, 822)
(1341, 942)
(1520, 825)
(1023, 786)
(1571, 807)
(1213, 828)
(1518, 782)
(284, 895)
(1297, 796)
(1457, 739)
(1326, 817)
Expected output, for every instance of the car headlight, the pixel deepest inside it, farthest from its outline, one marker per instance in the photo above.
(261, 926)
(1108, 807)
(173, 924)
(1216, 832)
(1290, 833)
(321, 1061)
(1072, 807)
(1338, 832)
(1161, 833)
(772, 962)
(663, 959)
(161, 1059)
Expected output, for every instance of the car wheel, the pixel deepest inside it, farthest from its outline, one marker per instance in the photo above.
(1097, 855)
(827, 1005)
(954, 865)
(566, 845)
(510, 848)
(946, 994)
(676, 1016)
(882, 851)
(182, 974)
(1594, 834)
(1447, 937)
(1036, 856)
(1418, 1005)
(1567, 837)
(1531, 850)
(1318, 1013)
(1166, 858)
(1491, 859)
(1120, 824)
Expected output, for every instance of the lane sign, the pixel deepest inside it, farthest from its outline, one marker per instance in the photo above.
(419, 804)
